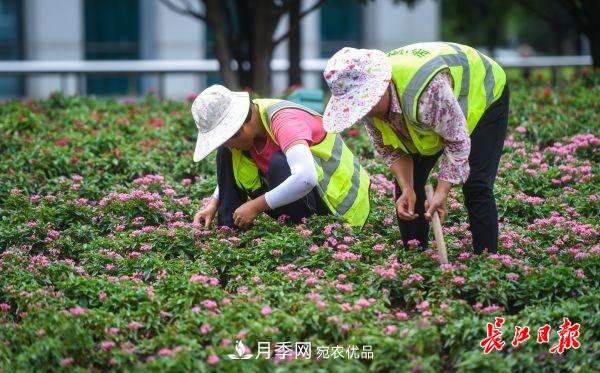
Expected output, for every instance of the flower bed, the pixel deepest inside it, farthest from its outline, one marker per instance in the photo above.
(101, 267)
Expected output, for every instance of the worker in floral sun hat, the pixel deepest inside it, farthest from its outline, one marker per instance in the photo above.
(419, 103)
(274, 156)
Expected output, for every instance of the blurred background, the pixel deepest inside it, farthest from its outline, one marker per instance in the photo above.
(175, 48)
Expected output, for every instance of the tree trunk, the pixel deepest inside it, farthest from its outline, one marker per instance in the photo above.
(262, 51)
(294, 73)
(585, 13)
(593, 35)
(222, 50)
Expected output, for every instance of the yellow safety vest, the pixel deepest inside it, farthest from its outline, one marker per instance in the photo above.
(478, 82)
(342, 182)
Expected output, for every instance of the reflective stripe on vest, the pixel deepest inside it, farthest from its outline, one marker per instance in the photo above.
(342, 182)
(478, 82)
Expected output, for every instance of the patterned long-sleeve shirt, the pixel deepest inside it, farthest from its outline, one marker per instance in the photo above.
(438, 111)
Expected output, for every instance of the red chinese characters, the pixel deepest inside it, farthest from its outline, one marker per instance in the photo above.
(494, 336)
(544, 334)
(521, 335)
(567, 336)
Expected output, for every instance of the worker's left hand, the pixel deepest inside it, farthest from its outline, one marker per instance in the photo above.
(438, 204)
(244, 215)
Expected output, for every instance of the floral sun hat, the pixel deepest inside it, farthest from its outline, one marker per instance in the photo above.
(357, 79)
(219, 113)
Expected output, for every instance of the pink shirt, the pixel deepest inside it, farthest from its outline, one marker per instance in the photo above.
(288, 125)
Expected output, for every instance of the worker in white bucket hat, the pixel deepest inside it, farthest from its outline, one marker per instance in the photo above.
(274, 156)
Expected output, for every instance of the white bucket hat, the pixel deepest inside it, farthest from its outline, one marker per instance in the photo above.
(219, 113)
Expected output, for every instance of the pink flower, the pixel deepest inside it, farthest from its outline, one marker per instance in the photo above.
(212, 359)
(266, 310)
(346, 256)
(209, 304)
(112, 331)
(390, 329)
(346, 307)
(413, 243)
(135, 325)
(379, 247)
(361, 303)
(5, 307)
(206, 328)
(401, 315)
(412, 278)
(128, 348)
(491, 309)
(422, 306)
(512, 276)
(108, 345)
(464, 256)
(76, 311)
(66, 361)
(458, 280)
(165, 352)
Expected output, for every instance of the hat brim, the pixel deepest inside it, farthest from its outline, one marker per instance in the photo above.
(231, 122)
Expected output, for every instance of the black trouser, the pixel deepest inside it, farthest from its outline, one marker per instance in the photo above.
(231, 196)
(487, 141)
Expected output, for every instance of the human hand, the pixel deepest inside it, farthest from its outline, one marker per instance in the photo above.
(405, 205)
(207, 213)
(438, 204)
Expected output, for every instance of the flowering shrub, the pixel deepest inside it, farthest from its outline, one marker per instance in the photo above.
(101, 268)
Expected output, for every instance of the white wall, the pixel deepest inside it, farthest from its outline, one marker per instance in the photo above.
(388, 26)
(179, 37)
(311, 35)
(54, 31)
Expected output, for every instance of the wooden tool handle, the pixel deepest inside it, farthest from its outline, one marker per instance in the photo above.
(437, 228)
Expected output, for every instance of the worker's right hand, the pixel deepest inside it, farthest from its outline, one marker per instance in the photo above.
(405, 205)
(207, 213)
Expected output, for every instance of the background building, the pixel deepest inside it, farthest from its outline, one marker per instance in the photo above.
(147, 29)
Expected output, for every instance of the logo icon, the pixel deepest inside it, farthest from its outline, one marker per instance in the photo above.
(240, 352)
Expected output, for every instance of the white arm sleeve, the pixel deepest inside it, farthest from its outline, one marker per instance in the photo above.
(302, 180)
(215, 194)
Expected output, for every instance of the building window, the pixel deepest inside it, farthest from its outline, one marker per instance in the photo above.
(11, 44)
(340, 26)
(112, 32)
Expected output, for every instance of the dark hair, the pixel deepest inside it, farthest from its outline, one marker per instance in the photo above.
(249, 116)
